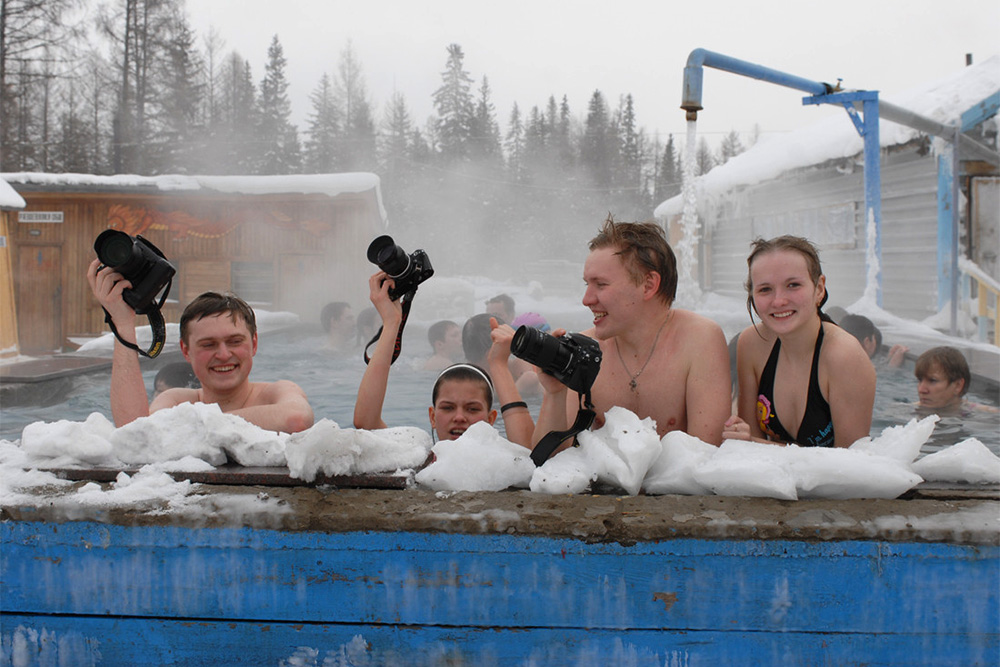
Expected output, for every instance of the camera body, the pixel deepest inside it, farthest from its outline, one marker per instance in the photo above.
(139, 262)
(407, 271)
(573, 359)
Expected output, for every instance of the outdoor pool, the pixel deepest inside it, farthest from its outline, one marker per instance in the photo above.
(331, 382)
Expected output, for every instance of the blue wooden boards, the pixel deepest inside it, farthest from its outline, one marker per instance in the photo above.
(91, 593)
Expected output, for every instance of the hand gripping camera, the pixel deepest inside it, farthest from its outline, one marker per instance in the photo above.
(574, 360)
(142, 264)
(407, 271)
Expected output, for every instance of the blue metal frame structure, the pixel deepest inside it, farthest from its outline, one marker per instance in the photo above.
(867, 126)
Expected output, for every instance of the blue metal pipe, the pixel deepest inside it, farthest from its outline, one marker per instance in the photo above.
(701, 58)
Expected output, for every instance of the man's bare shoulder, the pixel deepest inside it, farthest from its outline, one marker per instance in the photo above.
(272, 392)
(689, 324)
(174, 397)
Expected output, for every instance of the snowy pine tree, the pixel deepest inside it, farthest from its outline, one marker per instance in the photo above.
(278, 150)
(454, 105)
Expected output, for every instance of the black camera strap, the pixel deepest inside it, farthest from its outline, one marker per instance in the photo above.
(405, 301)
(551, 441)
(156, 325)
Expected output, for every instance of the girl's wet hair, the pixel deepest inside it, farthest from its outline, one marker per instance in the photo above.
(465, 371)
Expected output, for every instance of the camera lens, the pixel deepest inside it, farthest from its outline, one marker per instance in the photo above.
(542, 350)
(114, 248)
(388, 256)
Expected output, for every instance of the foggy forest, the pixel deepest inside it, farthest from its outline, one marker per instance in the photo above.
(128, 87)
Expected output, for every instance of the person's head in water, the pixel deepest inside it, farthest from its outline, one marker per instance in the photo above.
(462, 396)
(176, 374)
(864, 330)
(445, 338)
(502, 307)
(219, 340)
(942, 378)
(337, 320)
(477, 339)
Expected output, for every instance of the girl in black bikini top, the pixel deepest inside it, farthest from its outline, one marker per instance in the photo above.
(816, 429)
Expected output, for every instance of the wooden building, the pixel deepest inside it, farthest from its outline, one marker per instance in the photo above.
(283, 243)
(10, 201)
(810, 183)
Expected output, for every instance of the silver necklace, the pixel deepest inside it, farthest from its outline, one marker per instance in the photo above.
(633, 383)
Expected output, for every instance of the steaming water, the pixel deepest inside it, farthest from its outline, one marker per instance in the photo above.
(331, 383)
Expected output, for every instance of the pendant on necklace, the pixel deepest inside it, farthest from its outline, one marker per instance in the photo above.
(633, 384)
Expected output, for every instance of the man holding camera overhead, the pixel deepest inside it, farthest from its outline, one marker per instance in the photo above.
(219, 339)
(660, 362)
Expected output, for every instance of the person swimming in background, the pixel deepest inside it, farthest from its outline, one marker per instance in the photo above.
(943, 379)
(175, 374)
(809, 382)
(445, 338)
(337, 320)
(870, 338)
(463, 393)
(501, 306)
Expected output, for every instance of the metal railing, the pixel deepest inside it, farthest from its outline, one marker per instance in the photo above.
(987, 294)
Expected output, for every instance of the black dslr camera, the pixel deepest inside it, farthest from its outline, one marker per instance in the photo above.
(573, 359)
(139, 262)
(407, 271)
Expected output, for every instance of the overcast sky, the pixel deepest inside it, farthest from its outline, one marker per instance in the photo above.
(533, 49)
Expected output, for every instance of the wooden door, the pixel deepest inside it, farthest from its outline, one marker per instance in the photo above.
(39, 298)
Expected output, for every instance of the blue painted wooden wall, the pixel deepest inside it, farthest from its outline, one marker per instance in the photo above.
(88, 593)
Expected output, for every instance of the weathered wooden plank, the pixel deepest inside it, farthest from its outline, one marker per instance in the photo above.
(73, 640)
(244, 476)
(493, 581)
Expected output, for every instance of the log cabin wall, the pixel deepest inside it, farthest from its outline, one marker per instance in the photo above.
(280, 252)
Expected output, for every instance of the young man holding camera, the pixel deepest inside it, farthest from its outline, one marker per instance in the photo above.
(219, 340)
(660, 362)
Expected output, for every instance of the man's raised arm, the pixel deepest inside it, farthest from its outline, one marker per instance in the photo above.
(128, 392)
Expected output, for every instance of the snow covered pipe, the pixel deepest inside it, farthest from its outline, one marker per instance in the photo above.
(700, 58)
(968, 146)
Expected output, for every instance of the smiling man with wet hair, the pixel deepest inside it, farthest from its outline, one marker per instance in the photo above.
(219, 340)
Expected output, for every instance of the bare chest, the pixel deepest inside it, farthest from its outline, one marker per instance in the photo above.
(657, 391)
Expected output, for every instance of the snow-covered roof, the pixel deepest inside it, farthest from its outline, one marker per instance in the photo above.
(9, 199)
(325, 184)
(835, 137)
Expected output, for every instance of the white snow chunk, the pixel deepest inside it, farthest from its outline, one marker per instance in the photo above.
(968, 461)
(479, 460)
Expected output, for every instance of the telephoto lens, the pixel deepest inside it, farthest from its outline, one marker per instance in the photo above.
(573, 359)
(384, 253)
(539, 348)
(406, 271)
(139, 262)
(117, 250)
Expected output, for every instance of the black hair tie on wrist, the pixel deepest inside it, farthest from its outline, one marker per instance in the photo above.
(513, 404)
